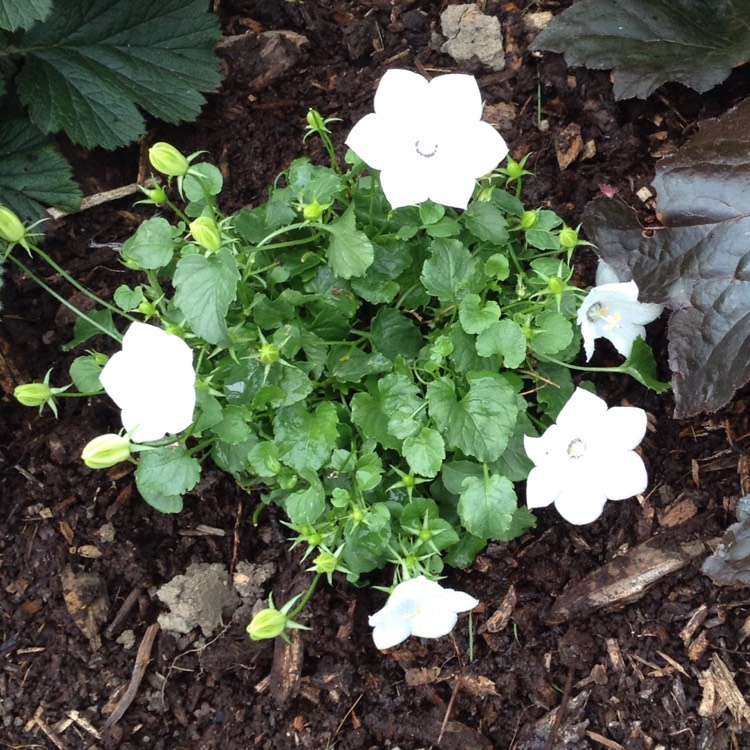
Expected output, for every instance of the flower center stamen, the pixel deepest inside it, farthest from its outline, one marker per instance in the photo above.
(426, 148)
(598, 311)
(577, 448)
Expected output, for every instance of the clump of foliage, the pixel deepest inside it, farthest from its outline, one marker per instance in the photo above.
(86, 68)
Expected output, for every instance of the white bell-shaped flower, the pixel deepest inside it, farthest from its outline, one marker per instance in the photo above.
(153, 381)
(420, 607)
(586, 458)
(427, 139)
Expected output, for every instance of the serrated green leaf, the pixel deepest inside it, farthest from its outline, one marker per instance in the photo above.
(305, 506)
(450, 271)
(20, 14)
(306, 438)
(650, 42)
(486, 222)
(151, 246)
(479, 424)
(164, 475)
(504, 338)
(486, 506)
(87, 69)
(424, 452)
(233, 427)
(205, 287)
(84, 372)
(209, 410)
(33, 174)
(350, 252)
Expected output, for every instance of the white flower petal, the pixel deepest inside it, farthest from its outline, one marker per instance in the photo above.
(606, 274)
(401, 92)
(433, 623)
(455, 98)
(623, 475)
(542, 487)
(452, 189)
(390, 632)
(403, 188)
(625, 427)
(583, 412)
(369, 141)
(581, 503)
(475, 150)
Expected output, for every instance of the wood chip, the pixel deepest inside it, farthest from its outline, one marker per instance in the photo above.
(604, 741)
(615, 655)
(744, 631)
(624, 579)
(568, 145)
(86, 600)
(421, 675)
(696, 620)
(501, 617)
(287, 667)
(720, 690)
(698, 647)
(678, 513)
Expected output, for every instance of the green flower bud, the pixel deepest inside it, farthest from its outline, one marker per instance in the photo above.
(157, 196)
(556, 285)
(315, 120)
(314, 539)
(168, 160)
(313, 211)
(528, 219)
(147, 308)
(357, 515)
(269, 354)
(33, 394)
(568, 238)
(174, 329)
(268, 623)
(325, 562)
(514, 169)
(105, 451)
(425, 535)
(11, 227)
(206, 233)
(99, 358)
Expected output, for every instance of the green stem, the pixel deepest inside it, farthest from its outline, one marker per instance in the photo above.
(93, 297)
(547, 358)
(306, 597)
(116, 336)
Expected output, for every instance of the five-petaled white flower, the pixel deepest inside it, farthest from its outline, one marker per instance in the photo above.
(613, 311)
(586, 458)
(427, 138)
(153, 381)
(418, 607)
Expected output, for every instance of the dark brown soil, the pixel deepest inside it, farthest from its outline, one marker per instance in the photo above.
(653, 671)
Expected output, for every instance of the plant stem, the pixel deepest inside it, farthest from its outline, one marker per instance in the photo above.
(306, 597)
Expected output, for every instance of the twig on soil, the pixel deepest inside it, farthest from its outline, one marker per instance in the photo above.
(449, 709)
(124, 611)
(141, 662)
(550, 744)
(97, 199)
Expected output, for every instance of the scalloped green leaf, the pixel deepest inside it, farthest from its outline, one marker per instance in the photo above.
(88, 69)
(650, 42)
(20, 14)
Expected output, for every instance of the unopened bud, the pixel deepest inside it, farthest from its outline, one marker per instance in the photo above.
(11, 227)
(268, 623)
(514, 169)
(206, 233)
(313, 211)
(568, 238)
(325, 562)
(33, 394)
(556, 285)
(269, 354)
(105, 451)
(528, 219)
(166, 159)
(157, 196)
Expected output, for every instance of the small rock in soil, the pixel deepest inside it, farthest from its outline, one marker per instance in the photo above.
(470, 33)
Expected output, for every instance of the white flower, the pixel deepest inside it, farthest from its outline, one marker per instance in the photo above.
(606, 274)
(418, 607)
(613, 311)
(427, 138)
(153, 381)
(586, 458)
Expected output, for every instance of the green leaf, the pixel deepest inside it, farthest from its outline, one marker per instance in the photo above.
(641, 365)
(650, 42)
(209, 411)
(486, 222)
(88, 68)
(128, 299)
(504, 338)
(450, 271)
(463, 554)
(151, 246)
(552, 333)
(164, 475)
(84, 372)
(395, 335)
(486, 506)
(20, 14)
(350, 252)
(205, 287)
(33, 174)
(305, 506)
(233, 427)
(475, 316)
(543, 235)
(306, 438)
(378, 285)
(83, 330)
(479, 424)
(553, 395)
(424, 452)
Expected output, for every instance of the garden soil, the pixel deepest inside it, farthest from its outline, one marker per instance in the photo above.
(600, 636)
